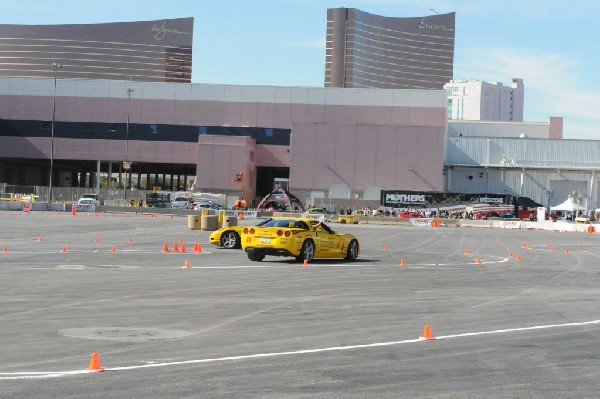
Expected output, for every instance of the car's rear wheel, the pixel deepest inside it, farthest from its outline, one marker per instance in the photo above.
(352, 251)
(256, 256)
(230, 240)
(307, 253)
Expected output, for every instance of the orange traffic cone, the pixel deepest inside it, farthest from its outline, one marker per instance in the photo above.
(63, 249)
(567, 251)
(518, 258)
(467, 251)
(95, 363)
(113, 249)
(182, 250)
(477, 260)
(73, 211)
(510, 254)
(129, 240)
(97, 239)
(175, 247)
(551, 248)
(427, 333)
(305, 263)
(402, 262)
(5, 249)
(40, 239)
(198, 248)
(165, 247)
(385, 247)
(186, 265)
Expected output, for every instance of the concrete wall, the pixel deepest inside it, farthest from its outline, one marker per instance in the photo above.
(220, 158)
(358, 156)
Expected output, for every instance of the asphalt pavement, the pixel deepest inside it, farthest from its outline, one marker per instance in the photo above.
(514, 313)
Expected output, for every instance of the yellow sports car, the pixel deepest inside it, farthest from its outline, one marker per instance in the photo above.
(297, 237)
(343, 219)
(229, 237)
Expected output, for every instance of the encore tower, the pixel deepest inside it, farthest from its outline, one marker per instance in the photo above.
(366, 50)
(150, 51)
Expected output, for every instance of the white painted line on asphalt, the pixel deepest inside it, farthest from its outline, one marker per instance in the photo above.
(55, 374)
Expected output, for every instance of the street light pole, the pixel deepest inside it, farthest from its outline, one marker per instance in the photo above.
(129, 91)
(56, 67)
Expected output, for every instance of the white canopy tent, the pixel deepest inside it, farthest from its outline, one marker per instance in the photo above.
(570, 205)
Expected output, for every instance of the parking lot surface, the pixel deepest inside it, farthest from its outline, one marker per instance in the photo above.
(514, 312)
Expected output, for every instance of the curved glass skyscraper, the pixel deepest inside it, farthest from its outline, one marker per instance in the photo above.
(366, 50)
(151, 51)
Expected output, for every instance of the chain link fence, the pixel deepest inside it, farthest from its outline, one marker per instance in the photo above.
(117, 197)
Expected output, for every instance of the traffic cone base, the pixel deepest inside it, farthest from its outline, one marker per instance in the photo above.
(95, 363)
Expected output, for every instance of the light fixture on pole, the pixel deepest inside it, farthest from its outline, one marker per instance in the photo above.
(56, 67)
(126, 165)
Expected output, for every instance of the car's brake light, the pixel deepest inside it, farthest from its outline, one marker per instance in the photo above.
(246, 231)
(279, 233)
(252, 231)
(287, 234)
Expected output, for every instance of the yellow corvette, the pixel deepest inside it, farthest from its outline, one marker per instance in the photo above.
(229, 237)
(297, 237)
(343, 219)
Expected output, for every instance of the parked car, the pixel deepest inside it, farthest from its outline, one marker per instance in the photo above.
(211, 206)
(297, 237)
(94, 199)
(182, 203)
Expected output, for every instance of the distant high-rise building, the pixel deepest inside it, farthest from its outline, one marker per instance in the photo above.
(151, 51)
(366, 50)
(475, 100)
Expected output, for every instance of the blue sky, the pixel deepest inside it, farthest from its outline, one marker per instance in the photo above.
(552, 44)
